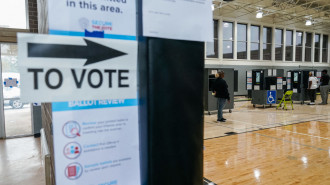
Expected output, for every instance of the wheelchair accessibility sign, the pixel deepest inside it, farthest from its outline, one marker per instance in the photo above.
(271, 97)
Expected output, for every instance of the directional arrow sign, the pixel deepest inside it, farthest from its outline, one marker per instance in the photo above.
(93, 52)
(64, 68)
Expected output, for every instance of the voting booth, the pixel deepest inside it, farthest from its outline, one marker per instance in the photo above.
(298, 83)
(265, 84)
(210, 101)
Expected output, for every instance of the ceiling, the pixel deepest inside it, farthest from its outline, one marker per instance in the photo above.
(291, 13)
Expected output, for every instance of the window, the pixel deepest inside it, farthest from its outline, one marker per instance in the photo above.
(299, 46)
(212, 47)
(228, 42)
(325, 48)
(13, 14)
(308, 47)
(278, 44)
(267, 43)
(317, 48)
(255, 43)
(289, 45)
(241, 41)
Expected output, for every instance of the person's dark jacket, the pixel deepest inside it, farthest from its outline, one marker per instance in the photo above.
(220, 88)
(324, 79)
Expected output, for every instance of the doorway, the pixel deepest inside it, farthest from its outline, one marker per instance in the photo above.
(15, 115)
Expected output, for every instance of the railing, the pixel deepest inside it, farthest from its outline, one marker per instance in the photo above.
(46, 158)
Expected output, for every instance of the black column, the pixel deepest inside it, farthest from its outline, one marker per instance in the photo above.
(171, 110)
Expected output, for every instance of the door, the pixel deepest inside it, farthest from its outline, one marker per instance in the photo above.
(15, 115)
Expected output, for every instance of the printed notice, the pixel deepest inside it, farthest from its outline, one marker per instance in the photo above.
(102, 149)
(95, 18)
(178, 19)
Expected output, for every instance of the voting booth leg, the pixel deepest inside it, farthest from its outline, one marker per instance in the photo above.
(171, 95)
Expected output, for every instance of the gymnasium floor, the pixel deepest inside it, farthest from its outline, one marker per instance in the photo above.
(269, 146)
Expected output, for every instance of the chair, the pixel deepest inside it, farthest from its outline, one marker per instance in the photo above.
(286, 99)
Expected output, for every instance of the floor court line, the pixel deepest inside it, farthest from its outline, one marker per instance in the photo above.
(276, 127)
(292, 142)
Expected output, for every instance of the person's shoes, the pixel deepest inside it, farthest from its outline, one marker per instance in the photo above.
(322, 103)
(311, 103)
(222, 120)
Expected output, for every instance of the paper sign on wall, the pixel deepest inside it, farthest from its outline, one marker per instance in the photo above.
(270, 72)
(249, 74)
(274, 72)
(100, 18)
(182, 20)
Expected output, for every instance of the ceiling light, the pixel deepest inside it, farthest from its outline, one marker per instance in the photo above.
(308, 22)
(259, 14)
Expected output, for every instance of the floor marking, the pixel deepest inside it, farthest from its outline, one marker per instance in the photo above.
(292, 142)
(277, 128)
(294, 132)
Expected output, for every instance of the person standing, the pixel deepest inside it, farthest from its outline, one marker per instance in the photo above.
(220, 88)
(324, 87)
(312, 86)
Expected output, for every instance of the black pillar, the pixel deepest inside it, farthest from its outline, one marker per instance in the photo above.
(171, 110)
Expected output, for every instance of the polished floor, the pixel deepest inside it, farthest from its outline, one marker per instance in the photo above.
(20, 162)
(269, 146)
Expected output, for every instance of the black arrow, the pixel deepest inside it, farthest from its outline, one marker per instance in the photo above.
(93, 52)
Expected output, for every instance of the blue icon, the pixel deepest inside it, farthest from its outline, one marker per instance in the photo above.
(271, 97)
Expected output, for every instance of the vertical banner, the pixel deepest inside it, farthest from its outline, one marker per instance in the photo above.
(96, 142)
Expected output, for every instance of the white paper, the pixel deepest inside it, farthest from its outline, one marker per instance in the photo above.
(95, 74)
(81, 17)
(273, 87)
(289, 74)
(249, 86)
(284, 82)
(288, 86)
(279, 80)
(96, 142)
(182, 20)
(256, 87)
(319, 74)
(295, 90)
(249, 80)
(270, 72)
(274, 72)
(279, 86)
(249, 74)
(214, 72)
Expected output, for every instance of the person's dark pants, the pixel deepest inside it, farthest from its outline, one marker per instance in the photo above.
(221, 105)
(312, 94)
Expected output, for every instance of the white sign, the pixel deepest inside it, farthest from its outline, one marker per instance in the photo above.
(214, 72)
(62, 68)
(256, 87)
(295, 90)
(106, 19)
(249, 86)
(249, 74)
(270, 72)
(273, 87)
(182, 20)
(96, 142)
(274, 72)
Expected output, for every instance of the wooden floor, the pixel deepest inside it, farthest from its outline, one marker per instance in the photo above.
(270, 147)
